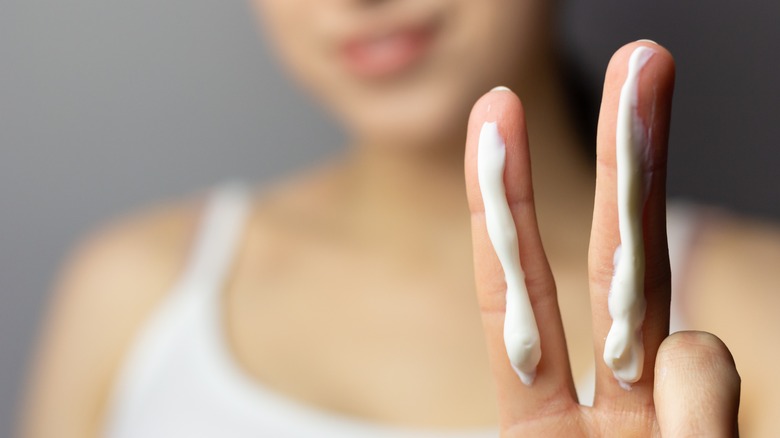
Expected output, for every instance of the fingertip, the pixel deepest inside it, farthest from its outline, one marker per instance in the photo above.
(494, 105)
(697, 346)
(622, 54)
(653, 103)
(502, 106)
(659, 70)
(660, 67)
(697, 385)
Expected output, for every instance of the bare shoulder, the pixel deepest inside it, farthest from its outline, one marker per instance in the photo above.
(108, 286)
(145, 247)
(734, 292)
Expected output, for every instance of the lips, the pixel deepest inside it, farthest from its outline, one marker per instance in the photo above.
(387, 54)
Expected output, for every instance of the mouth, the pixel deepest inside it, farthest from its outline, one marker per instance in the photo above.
(380, 55)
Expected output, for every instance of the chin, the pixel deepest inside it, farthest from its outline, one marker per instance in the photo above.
(420, 126)
(424, 114)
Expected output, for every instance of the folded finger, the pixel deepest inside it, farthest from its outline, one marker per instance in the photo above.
(696, 387)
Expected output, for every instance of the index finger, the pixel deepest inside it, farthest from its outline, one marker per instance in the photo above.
(501, 114)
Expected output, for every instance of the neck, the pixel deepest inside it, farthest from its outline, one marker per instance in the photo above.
(563, 180)
(410, 185)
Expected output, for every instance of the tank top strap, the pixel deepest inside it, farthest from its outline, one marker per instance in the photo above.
(216, 242)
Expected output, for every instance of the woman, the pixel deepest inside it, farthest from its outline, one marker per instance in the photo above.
(341, 302)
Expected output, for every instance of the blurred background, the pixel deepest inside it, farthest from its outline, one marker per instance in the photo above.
(108, 106)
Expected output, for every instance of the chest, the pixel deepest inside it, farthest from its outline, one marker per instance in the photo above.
(393, 340)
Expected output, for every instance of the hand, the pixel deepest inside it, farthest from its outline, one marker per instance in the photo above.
(689, 385)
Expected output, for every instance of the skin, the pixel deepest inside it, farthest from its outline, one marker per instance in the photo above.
(417, 244)
(549, 407)
(419, 107)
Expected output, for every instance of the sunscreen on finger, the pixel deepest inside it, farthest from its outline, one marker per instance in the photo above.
(623, 348)
(521, 335)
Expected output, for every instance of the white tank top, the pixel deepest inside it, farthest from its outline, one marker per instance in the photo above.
(180, 380)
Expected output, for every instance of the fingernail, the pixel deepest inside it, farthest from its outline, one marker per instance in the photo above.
(647, 41)
(500, 88)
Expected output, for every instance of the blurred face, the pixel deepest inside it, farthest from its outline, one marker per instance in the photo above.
(407, 71)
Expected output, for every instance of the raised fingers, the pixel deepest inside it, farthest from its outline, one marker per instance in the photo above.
(631, 317)
(497, 118)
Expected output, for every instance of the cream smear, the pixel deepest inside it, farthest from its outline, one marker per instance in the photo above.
(623, 349)
(521, 335)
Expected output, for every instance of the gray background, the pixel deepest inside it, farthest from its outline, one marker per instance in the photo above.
(106, 106)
